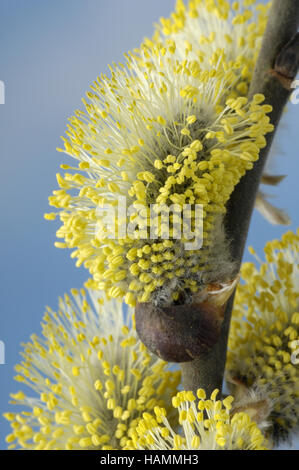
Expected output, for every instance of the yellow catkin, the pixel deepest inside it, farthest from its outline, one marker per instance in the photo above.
(220, 431)
(176, 114)
(264, 334)
(226, 24)
(92, 404)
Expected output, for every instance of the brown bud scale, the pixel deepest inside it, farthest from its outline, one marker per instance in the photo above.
(179, 333)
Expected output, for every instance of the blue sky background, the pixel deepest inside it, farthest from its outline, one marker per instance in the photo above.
(50, 52)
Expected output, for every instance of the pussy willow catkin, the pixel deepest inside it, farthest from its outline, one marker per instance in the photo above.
(90, 379)
(263, 359)
(201, 27)
(204, 425)
(161, 131)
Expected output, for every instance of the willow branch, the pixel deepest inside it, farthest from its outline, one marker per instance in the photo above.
(275, 71)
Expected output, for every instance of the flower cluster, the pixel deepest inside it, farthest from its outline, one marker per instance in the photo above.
(161, 131)
(201, 27)
(209, 425)
(91, 377)
(262, 362)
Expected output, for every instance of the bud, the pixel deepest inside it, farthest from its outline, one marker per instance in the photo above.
(180, 333)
